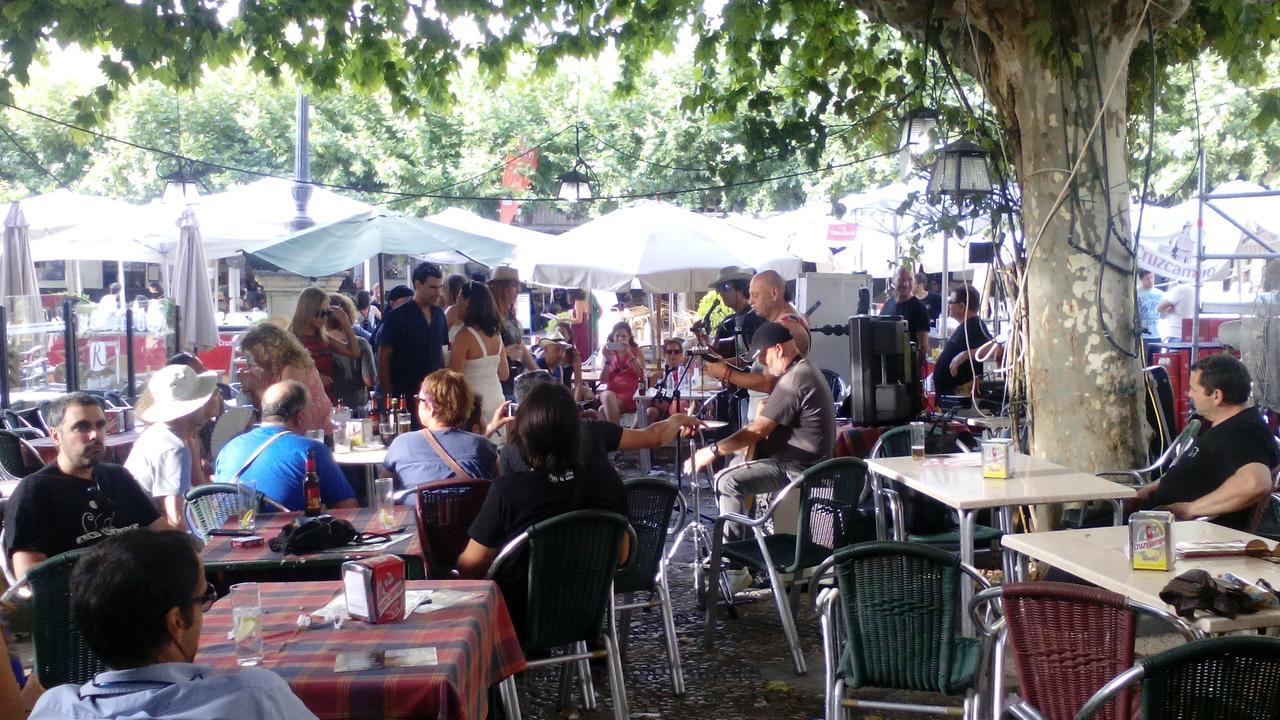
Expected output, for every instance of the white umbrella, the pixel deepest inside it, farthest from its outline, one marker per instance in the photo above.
(18, 287)
(663, 247)
(61, 209)
(197, 327)
(524, 242)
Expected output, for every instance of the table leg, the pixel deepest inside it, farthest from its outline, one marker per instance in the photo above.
(370, 475)
(1117, 512)
(877, 499)
(1008, 558)
(510, 699)
(642, 422)
(966, 556)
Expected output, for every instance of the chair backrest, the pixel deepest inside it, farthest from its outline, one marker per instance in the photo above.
(1183, 441)
(829, 497)
(840, 389)
(61, 655)
(900, 603)
(894, 442)
(1225, 678)
(1068, 641)
(444, 514)
(14, 457)
(11, 420)
(572, 559)
(211, 505)
(650, 503)
(1160, 407)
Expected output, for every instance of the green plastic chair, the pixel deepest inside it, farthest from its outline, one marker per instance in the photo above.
(829, 493)
(61, 655)
(210, 506)
(570, 562)
(1236, 677)
(896, 442)
(892, 622)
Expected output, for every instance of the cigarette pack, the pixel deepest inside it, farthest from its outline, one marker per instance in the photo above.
(1151, 540)
(375, 588)
(248, 541)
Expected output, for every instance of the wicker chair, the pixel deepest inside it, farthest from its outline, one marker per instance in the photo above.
(17, 458)
(15, 423)
(61, 655)
(892, 622)
(210, 506)
(444, 513)
(829, 495)
(1225, 678)
(650, 505)
(1068, 641)
(570, 560)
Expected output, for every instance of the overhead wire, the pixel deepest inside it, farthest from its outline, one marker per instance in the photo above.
(32, 158)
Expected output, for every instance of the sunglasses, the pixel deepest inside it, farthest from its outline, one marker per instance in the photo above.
(207, 599)
(672, 352)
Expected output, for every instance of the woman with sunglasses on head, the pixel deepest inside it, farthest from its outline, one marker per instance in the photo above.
(622, 375)
(445, 400)
(477, 349)
(308, 325)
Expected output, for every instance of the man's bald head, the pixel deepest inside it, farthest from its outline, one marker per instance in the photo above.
(284, 402)
(768, 293)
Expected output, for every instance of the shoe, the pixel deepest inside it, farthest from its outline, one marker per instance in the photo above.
(739, 579)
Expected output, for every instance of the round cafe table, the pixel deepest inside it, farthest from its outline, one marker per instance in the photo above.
(371, 458)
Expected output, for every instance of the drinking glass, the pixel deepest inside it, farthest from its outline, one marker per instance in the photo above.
(247, 493)
(246, 623)
(918, 433)
(383, 502)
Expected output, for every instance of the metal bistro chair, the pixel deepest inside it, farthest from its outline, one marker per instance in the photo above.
(1167, 459)
(829, 496)
(896, 442)
(444, 512)
(571, 561)
(1068, 641)
(17, 458)
(898, 627)
(840, 389)
(61, 655)
(650, 505)
(1236, 677)
(210, 506)
(18, 425)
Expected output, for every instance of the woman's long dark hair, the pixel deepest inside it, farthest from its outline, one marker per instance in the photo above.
(482, 311)
(546, 429)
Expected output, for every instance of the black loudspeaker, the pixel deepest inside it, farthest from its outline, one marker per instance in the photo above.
(981, 252)
(886, 379)
(864, 301)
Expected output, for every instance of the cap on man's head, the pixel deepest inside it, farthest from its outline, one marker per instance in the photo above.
(399, 291)
(768, 335)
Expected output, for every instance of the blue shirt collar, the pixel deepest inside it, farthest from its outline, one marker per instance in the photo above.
(150, 677)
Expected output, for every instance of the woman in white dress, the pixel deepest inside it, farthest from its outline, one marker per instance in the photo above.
(477, 350)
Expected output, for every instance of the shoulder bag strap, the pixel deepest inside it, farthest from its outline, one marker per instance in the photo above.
(444, 455)
(236, 478)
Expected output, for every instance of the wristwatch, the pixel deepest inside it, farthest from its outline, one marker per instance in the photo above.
(715, 449)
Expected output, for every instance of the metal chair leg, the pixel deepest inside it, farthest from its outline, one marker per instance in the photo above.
(837, 701)
(788, 622)
(669, 629)
(624, 624)
(617, 686)
(564, 696)
(584, 677)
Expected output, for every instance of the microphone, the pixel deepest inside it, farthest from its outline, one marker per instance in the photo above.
(705, 322)
(812, 309)
(864, 301)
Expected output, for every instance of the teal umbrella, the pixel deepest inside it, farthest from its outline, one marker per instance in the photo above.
(329, 249)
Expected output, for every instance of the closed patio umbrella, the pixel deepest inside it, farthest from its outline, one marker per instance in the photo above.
(18, 286)
(197, 326)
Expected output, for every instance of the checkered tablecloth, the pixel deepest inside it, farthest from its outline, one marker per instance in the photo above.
(218, 553)
(475, 643)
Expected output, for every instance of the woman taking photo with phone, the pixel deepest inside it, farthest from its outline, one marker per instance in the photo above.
(622, 374)
(308, 325)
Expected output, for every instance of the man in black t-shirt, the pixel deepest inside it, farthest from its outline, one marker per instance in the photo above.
(955, 366)
(76, 500)
(1227, 470)
(907, 306)
(412, 339)
(932, 300)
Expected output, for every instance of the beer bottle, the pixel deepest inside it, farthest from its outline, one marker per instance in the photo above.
(403, 422)
(311, 488)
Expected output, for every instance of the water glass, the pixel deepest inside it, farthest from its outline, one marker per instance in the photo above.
(383, 502)
(918, 433)
(247, 493)
(246, 623)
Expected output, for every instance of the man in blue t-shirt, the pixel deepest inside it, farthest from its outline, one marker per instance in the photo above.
(281, 465)
(413, 337)
(1148, 299)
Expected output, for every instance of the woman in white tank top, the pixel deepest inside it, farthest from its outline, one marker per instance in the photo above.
(477, 351)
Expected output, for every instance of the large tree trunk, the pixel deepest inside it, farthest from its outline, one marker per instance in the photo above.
(1084, 390)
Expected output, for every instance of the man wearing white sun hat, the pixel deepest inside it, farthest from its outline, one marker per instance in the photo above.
(161, 458)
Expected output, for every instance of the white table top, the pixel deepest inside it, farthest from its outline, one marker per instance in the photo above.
(361, 456)
(956, 480)
(1098, 555)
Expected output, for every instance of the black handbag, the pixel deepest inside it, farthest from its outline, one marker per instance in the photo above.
(323, 532)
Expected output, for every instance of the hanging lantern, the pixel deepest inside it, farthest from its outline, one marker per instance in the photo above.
(575, 185)
(961, 168)
(917, 127)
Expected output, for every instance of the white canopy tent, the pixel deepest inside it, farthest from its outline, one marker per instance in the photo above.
(665, 249)
(524, 243)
